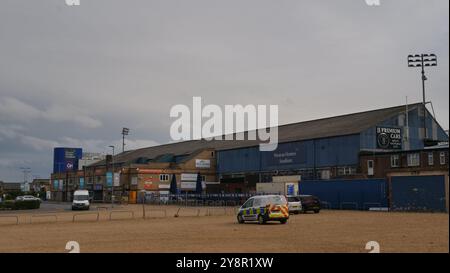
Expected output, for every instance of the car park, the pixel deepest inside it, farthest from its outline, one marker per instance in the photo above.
(263, 209)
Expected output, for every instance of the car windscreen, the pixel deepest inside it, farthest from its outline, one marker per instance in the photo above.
(274, 200)
(81, 197)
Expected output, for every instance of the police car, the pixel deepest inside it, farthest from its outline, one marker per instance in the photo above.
(264, 208)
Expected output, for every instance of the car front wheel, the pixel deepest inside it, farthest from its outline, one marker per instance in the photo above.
(240, 219)
(284, 221)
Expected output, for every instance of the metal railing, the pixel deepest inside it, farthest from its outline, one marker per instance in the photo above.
(86, 213)
(121, 212)
(11, 216)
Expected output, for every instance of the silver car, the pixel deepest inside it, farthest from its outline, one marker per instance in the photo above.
(27, 198)
(295, 204)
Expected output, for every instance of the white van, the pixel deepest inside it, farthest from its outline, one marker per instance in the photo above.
(80, 200)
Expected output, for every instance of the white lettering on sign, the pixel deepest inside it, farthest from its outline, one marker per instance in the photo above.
(188, 177)
(203, 163)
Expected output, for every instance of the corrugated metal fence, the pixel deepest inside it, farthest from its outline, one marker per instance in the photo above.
(418, 193)
(348, 194)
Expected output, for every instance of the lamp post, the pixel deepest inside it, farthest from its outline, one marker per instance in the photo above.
(422, 61)
(125, 132)
(112, 185)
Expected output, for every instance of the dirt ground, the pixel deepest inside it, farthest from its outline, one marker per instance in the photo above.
(216, 230)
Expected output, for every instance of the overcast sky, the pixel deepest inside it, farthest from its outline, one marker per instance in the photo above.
(74, 76)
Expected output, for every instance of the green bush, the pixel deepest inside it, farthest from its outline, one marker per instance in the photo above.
(20, 205)
(8, 204)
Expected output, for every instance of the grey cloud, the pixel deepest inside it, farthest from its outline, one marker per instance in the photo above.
(76, 75)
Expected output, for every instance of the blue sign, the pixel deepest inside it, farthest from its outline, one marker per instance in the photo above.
(81, 182)
(109, 179)
(290, 190)
(56, 184)
(66, 159)
(286, 154)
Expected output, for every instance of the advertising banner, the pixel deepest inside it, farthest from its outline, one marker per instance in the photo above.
(109, 179)
(389, 138)
(81, 182)
(66, 159)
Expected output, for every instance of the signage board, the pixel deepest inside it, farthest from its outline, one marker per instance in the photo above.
(164, 186)
(188, 177)
(134, 180)
(81, 182)
(109, 179)
(203, 163)
(66, 159)
(148, 185)
(116, 179)
(286, 178)
(389, 138)
(286, 154)
(191, 185)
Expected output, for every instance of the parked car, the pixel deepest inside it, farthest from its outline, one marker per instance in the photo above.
(295, 205)
(264, 208)
(81, 200)
(310, 203)
(27, 198)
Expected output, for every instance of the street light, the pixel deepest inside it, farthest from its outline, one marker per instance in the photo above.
(125, 132)
(112, 185)
(422, 61)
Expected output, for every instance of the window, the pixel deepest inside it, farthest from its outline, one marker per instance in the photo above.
(370, 167)
(395, 161)
(430, 159)
(413, 160)
(203, 178)
(163, 177)
(248, 204)
(442, 158)
(342, 171)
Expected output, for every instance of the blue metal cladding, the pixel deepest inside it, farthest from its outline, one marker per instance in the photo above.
(418, 193)
(66, 159)
(336, 151)
(326, 152)
(238, 160)
(348, 194)
(368, 137)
